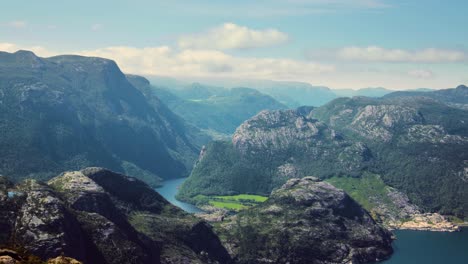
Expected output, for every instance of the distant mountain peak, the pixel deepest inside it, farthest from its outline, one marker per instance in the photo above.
(22, 58)
(25, 53)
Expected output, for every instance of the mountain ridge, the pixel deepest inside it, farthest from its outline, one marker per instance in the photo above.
(69, 112)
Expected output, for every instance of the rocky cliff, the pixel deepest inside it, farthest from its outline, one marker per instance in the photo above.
(307, 221)
(98, 216)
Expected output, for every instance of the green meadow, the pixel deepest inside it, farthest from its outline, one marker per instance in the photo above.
(232, 202)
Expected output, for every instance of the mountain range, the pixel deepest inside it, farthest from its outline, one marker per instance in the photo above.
(416, 145)
(335, 174)
(215, 110)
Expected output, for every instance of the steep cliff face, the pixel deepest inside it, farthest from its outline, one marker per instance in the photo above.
(307, 221)
(271, 148)
(417, 145)
(98, 216)
(70, 112)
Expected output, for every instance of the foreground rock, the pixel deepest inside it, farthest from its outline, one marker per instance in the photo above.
(63, 260)
(213, 214)
(97, 216)
(307, 221)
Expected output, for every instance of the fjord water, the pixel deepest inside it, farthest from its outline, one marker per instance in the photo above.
(169, 190)
(412, 247)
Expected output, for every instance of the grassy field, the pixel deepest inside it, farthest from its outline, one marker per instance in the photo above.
(369, 190)
(233, 202)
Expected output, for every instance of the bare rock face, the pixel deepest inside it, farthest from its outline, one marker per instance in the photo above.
(378, 121)
(429, 222)
(276, 130)
(308, 221)
(98, 216)
(7, 260)
(63, 260)
(8, 256)
(44, 225)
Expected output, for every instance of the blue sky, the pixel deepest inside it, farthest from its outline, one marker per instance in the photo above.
(336, 43)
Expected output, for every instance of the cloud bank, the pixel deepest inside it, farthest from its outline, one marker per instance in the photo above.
(232, 36)
(205, 63)
(17, 24)
(209, 63)
(421, 74)
(379, 54)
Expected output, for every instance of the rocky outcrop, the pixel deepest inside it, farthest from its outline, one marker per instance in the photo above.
(98, 216)
(63, 260)
(429, 222)
(44, 225)
(277, 130)
(307, 221)
(378, 122)
(394, 210)
(8, 256)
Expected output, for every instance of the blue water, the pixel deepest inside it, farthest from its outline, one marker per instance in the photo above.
(169, 190)
(12, 194)
(411, 247)
(414, 247)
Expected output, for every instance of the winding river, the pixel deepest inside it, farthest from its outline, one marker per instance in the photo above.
(169, 190)
(411, 247)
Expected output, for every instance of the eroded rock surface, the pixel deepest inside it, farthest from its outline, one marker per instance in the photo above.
(307, 221)
(98, 216)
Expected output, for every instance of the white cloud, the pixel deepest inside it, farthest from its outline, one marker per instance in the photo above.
(205, 63)
(39, 50)
(191, 64)
(421, 74)
(8, 47)
(17, 24)
(166, 61)
(379, 54)
(232, 36)
(343, 3)
(97, 27)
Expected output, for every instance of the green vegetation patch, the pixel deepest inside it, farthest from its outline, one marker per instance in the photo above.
(369, 190)
(231, 202)
(244, 198)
